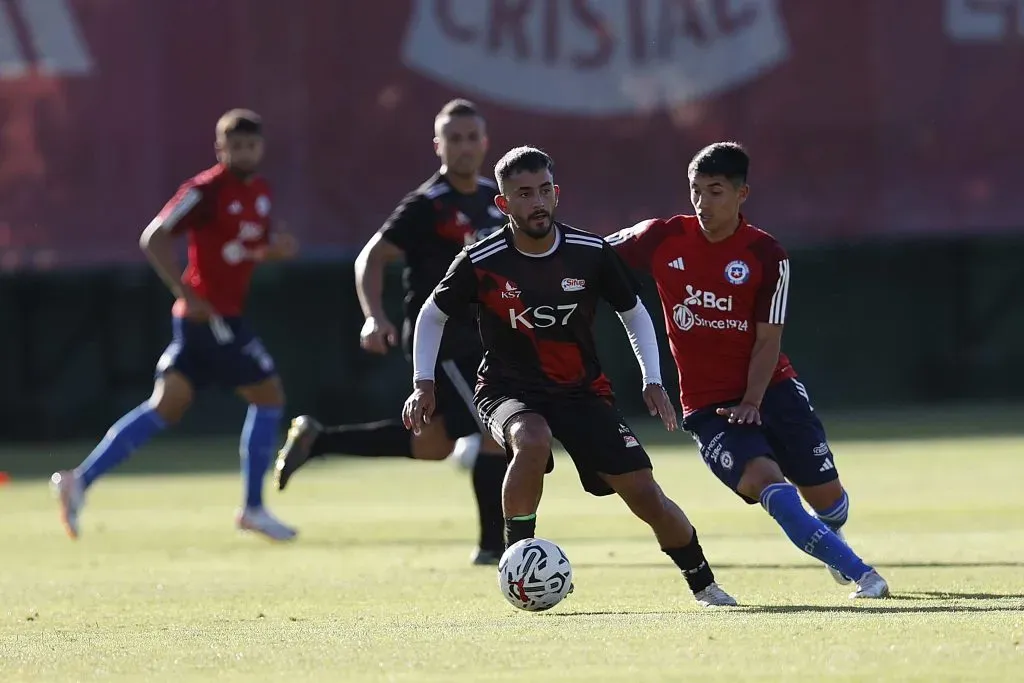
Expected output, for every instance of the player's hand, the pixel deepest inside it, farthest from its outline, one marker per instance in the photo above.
(741, 414)
(377, 335)
(419, 407)
(283, 247)
(659, 404)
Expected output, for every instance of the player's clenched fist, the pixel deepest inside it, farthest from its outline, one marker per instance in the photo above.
(419, 407)
(659, 404)
(377, 335)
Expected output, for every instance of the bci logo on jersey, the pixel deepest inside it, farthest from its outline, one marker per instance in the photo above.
(573, 284)
(541, 316)
(706, 299)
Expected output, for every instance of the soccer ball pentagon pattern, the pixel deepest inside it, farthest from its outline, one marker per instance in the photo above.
(534, 575)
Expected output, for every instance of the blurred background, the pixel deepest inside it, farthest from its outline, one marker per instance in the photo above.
(887, 157)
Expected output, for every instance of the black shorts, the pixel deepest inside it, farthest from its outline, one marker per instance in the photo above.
(453, 389)
(790, 434)
(589, 427)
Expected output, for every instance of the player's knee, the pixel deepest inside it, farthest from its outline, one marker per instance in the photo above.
(530, 439)
(759, 474)
(267, 394)
(642, 494)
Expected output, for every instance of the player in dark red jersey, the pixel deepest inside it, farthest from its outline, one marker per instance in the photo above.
(537, 284)
(453, 208)
(225, 212)
(724, 288)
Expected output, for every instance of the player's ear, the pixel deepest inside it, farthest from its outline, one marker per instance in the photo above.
(501, 203)
(558, 193)
(437, 146)
(744, 192)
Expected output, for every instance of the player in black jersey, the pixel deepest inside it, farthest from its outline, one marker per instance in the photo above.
(453, 208)
(536, 285)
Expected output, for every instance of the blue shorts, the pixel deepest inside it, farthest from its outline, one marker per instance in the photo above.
(228, 355)
(790, 434)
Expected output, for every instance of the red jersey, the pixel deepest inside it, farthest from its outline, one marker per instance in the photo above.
(227, 220)
(713, 295)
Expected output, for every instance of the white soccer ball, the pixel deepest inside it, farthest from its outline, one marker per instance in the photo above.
(534, 574)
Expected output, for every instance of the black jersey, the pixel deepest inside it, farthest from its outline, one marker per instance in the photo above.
(536, 312)
(431, 225)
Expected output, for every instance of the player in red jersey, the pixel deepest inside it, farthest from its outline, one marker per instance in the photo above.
(536, 285)
(724, 288)
(225, 212)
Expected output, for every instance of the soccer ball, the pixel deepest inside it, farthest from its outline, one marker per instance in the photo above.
(534, 574)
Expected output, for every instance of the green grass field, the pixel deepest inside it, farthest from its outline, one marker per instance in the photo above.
(378, 587)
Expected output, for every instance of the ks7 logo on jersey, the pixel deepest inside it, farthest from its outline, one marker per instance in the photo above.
(541, 316)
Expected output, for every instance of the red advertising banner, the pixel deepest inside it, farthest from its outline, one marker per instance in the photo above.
(865, 119)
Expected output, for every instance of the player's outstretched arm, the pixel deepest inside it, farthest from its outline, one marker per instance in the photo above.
(419, 407)
(378, 333)
(640, 330)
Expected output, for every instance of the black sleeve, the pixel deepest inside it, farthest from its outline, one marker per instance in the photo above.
(459, 288)
(409, 222)
(618, 285)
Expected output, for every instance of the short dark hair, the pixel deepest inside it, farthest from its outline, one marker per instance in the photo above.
(458, 107)
(239, 121)
(728, 159)
(529, 159)
(455, 108)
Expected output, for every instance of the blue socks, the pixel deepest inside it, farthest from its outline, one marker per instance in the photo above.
(127, 434)
(782, 501)
(259, 436)
(835, 516)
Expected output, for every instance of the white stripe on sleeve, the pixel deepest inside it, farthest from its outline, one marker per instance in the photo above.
(777, 313)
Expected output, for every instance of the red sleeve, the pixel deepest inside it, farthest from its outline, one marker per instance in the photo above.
(636, 245)
(773, 293)
(188, 209)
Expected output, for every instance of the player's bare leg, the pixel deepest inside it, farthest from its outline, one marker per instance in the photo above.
(675, 534)
(171, 397)
(307, 438)
(832, 506)
(259, 435)
(762, 480)
(529, 439)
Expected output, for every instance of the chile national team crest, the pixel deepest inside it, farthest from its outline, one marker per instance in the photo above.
(737, 272)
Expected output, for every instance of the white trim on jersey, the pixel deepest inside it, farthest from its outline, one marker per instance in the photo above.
(617, 238)
(584, 240)
(477, 255)
(180, 209)
(435, 191)
(551, 250)
(488, 182)
(777, 313)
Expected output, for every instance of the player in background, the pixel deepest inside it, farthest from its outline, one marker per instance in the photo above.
(453, 208)
(724, 288)
(537, 284)
(225, 212)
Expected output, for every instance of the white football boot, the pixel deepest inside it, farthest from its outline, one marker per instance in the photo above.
(69, 491)
(260, 521)
(714, 596)
(870, 586)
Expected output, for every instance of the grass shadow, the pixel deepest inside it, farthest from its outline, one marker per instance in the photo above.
(875, 608)
(813, 567)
